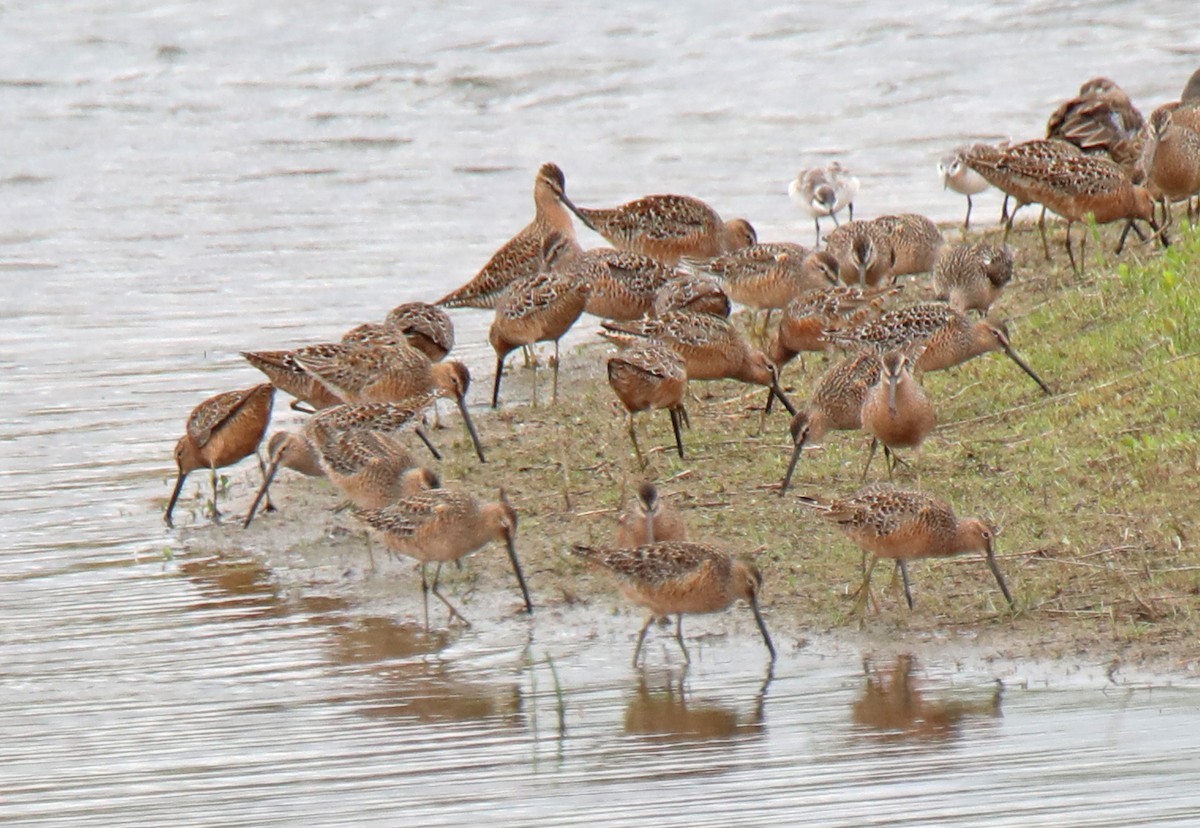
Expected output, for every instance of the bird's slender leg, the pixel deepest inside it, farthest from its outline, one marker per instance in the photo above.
(454, 613)
(633, 438)
(679, 637)
(637, 651)
(1042, 230)
(216, 512)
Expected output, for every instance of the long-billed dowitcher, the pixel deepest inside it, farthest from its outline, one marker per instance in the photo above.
(1186, 111)
(363, 373)
(766, 276)
(443, 525)
(623, 284)
(806, 318)
(1002, 164)
(905, 525)
(971, 276)
(649, 521)
(693, 293)
(650, 376)
(522, 254)
(710, 346)
(221, 431)
(1076, 187)
(667, 228)
(352, 446)
(286, 373)
(836, 405)
(1171, 160)
(896, 410)
(426, 327)
(677, 577)
(915, 240)
(824, 191)
(1100, 119)
(957, 176)
(948, 337)
(538, 308)
(863, 251)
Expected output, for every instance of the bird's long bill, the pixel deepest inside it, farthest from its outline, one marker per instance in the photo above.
(262, 491)
(420, 432)
(466, 415)
(778, 392)
(762, 628)
(1025, 367)
(516, 564)
(892, 380)
(174, 497)
(496, 384)
(787, 478)
(991, 559)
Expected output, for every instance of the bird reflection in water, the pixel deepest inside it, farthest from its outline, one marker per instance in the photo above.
(661, 709)
(894, 707)
(230, 580)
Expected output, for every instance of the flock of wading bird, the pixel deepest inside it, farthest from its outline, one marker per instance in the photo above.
(665, 290)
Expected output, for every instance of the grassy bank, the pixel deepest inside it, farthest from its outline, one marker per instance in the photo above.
(1093, 488)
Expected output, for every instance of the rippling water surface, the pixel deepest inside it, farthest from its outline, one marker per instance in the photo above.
(182, 181)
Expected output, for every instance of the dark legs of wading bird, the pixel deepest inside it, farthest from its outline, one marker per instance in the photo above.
(679, 418)
(427, 588)
(437, 455)
(758, 619)
(890, 457)
(268, 475)
(774, 392)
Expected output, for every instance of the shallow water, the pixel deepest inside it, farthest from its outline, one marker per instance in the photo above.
(186, 181)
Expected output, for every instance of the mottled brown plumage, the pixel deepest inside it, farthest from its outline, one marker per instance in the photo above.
(694, 294)
(285, 372)
(896, 411)
(624, 284)
(905, 525)
(942, 336)
(442, 525)
(650, 520)
(426, 327)
(677, 577)
(807, 317)
(972, 276)
(221, 431)
(836, 405)
(650, 376)
(916, 243)
(710, 346)
(667, 228)
(540, 308)
(863, 251)
(764, 276)
(1171, 160)
(521, 255)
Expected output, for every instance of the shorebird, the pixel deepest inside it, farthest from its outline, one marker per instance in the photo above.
(353, 447)
(710, 346)
(1186, 111)
(806, 318)
(960, 178)
(1003, 166)
(905, 525)
(1171, 160)
(539, 308)
(943, 337)
(1101, 119)
(824, 191)
(677, 577)
(221, 431)
(916, 243)
(443, 525)
(692, 293)
(623, 285)
(863, 251)
(836, 405)
(426, 327)
(766, 276)
(389, 371)
(649, 376)
(521, 255)
(971, 276)
(1077, 187)
(896, 411)
(667, 228)
(649, 521)
(286, 373)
